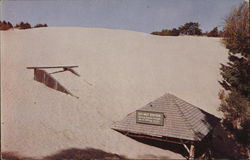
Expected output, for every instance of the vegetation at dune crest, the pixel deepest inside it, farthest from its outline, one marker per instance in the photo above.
(40, 25)
(23, 25)
(167, 32)
(214, 32)
(190, 28)
(4, 25)
(235, 98)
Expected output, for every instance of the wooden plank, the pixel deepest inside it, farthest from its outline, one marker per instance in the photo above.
(191, 152)
(48, 67)
(185, 146)
(43, 77)
(153, 138)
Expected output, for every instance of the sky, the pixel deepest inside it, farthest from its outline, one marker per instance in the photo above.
(136, 15)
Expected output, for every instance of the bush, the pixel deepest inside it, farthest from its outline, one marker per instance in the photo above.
(40, 25)
(190, 28)
(23, 25)
(5, 25)
(167, 32)
(213, 33)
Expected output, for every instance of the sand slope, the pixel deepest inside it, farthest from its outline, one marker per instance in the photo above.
(120, 72)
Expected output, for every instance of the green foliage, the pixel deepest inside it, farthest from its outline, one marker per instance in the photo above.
(236, 73)
(23, 25)
(167, 32)
(40, 25)
(233, 105)
(213, 33)
(191, 28)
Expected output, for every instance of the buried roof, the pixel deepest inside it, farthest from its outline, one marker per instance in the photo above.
(181, 120)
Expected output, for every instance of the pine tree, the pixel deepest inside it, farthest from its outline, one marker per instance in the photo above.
(235, 102)
(191, 28)
(213, 33)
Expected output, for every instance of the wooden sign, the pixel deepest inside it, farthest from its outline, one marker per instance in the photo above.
(149, 117)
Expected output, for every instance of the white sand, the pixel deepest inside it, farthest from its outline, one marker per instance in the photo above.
(126, 69)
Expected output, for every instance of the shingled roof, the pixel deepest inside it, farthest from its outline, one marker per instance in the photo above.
(182, 120)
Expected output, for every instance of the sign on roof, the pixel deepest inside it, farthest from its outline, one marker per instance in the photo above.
(149, 117)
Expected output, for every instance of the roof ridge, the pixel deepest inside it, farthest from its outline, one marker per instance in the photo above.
(191, 105)
(181, 112)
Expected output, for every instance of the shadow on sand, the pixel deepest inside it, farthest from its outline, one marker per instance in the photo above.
(164, 145)
(69, 154)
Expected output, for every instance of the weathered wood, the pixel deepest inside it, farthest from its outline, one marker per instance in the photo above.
(42, 76)
(154, 138)
(45, 78)
(149, 137)
(49, 67)
(73, 71)
(185, 146)
(186, 141)
(190, 150)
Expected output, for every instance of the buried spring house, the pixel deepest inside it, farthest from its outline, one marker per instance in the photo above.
(169, 119)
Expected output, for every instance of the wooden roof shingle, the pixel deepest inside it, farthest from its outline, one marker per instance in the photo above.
(182, 120)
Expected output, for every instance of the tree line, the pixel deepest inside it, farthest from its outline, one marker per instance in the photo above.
(6, 25)
(190, 28)
(235, 98)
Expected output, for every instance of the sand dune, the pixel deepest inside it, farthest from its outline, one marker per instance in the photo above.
(121, 71)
